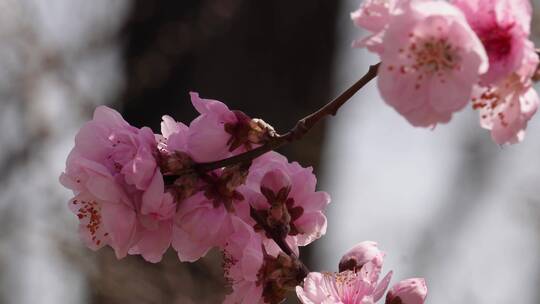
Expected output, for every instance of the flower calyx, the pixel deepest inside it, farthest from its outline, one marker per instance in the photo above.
(221, 188)
(247, 131)
(280, 217)
(278, 275)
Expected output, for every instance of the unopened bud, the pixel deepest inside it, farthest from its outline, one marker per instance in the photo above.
(361, 254)
(410, 291)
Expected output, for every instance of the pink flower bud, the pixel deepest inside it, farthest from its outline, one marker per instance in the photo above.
(275, 181)
(361, 254)
(410, 291)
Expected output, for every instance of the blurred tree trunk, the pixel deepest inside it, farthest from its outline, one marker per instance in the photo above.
(270, 59)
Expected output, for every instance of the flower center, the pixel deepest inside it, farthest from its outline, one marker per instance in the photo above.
(432, 55)
(428, 57)
(497, 42)
(282, 212)
(348, 287)
(221, 189)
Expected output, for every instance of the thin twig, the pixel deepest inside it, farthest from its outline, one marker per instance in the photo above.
(298, 131)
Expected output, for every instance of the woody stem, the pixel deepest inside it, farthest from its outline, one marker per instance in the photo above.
(298, 131)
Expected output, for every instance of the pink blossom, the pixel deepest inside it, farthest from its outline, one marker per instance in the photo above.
(118, 188)
(361, 254)
(199, 226)
(410, 291)
(345, 287)
(284, 196)
(431, 61)
(503, 26)
(243, 260)
(219, 132)
(97, 169)
(506, 106)
(358, 282)
(123, 149)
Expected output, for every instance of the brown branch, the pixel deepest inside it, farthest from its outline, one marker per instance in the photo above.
(298, 131)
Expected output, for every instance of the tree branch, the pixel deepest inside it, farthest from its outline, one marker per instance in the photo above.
(298, 131)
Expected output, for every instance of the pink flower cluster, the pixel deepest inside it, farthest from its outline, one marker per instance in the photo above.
(357, 282)
(437, 57)
(140, 193)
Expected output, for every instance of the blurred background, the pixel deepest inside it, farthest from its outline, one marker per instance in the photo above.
(446, 204)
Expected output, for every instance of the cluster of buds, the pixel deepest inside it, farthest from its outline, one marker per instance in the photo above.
(438, 56)
(141, 193)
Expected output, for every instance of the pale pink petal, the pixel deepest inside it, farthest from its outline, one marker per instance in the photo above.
(104, 188)
(187, 249)
(207, 139)
(208, 106)
(244, 259)
(109, 118)
(120, 221)
(314, 222)
(373, 15)
(199, 226)
(91, 142)
(382, 286)
(153, 243)
(175, 134)
(312, 293)
(155, 202)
